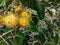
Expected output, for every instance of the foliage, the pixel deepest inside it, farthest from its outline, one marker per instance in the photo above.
(41, 27)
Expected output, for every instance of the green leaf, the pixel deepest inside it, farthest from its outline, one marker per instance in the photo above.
(1, 1)
(1, 6)
(25, 2)
(55, 39)
(0, 42)
(7, 29)
(35, 20)
(40, 8)
(8, 2)
(54, 1)
(46, 32)
(41, 12)
(50, 27)
(8, 37)
(47, 43)
(32, 3)
(51, 13)
(13, 42)
(33, 27)
(20, 38)
(40, 37)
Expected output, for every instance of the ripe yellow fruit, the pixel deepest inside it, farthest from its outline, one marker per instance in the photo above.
(1, 17)
(26, 15)
(23, 22)
(10, 20)
(18, 9)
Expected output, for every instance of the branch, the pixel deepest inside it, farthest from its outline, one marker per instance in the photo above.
(13, 2)
(6, 33)
(5, 41)
(1, 36)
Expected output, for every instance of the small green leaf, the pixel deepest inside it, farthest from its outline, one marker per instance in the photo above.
(20, 38)
(45, 31)
(47, 43)
(55, 39)
(40, 8)
(35, 20)
(33, 27)
(25, 2)
(40, 37)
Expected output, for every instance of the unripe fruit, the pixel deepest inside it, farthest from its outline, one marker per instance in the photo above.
(10, 20)
(23, 22)
(18, 9)
(26, 15)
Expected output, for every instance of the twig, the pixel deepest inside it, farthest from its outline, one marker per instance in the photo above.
(29, 3)
(12, 35)
(1, 36)
(5, 41)
(6, 33)
(13, 2)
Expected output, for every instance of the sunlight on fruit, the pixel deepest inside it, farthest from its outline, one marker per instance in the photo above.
(10, 20)
(23, 22)
(26, 15)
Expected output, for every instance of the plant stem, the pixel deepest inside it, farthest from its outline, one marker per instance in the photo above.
(5, 41)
